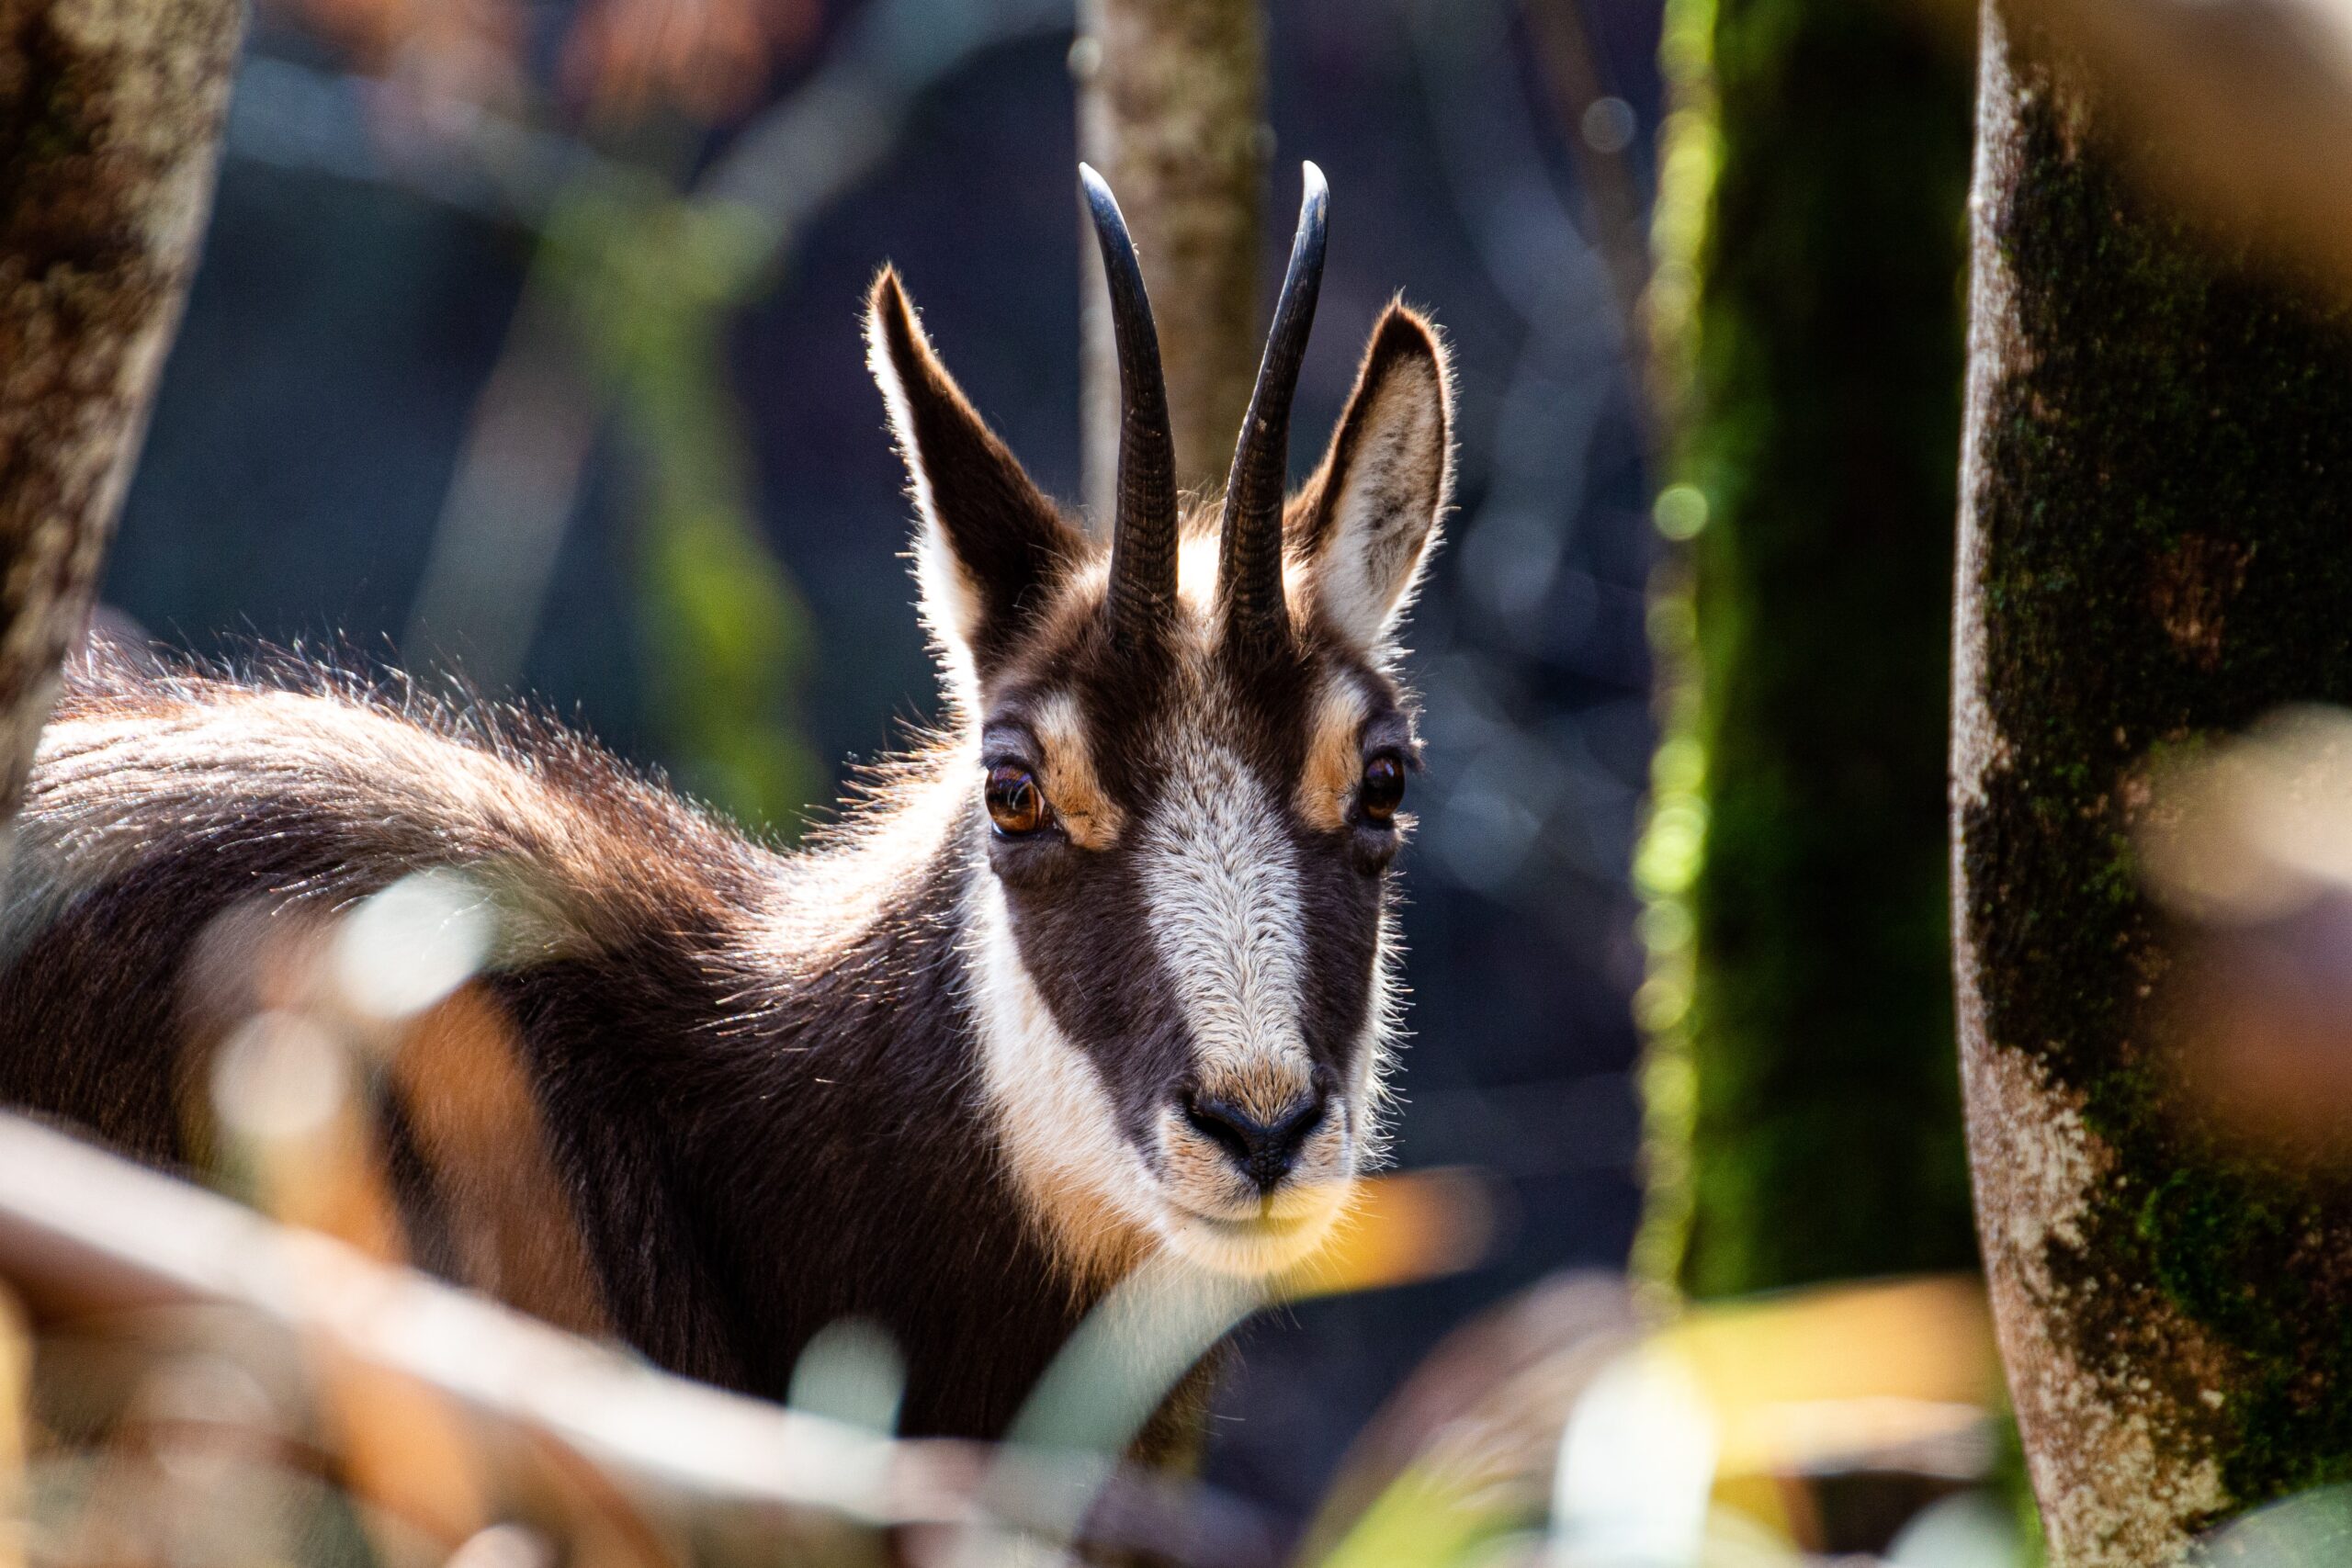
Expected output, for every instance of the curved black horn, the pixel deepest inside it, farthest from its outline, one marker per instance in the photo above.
(1143, 536)
(1250, 558)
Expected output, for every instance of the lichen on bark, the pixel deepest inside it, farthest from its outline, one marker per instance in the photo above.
(1171, 109)
(2156, 547)
(110, 116)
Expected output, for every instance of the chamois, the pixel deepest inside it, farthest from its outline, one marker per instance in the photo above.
(1102, 968)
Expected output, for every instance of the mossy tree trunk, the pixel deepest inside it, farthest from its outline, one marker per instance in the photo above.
(1171, 109)
(1804, 1104)
(2156, 547)
(110, 115)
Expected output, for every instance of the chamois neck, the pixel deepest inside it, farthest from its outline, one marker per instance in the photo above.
(839, 1110)
(894, 869)
(894, 970)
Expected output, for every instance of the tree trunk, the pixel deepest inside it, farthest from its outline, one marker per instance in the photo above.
(2156, 547)
(1804, 1105)
(1171, 109)
(110, 117)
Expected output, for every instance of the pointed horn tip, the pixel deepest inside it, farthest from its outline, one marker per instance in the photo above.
(1314, 212)
(1098, 191)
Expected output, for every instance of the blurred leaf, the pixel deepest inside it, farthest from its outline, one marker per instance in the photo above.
(2313, 1530)
(1463, 1454)
(1830, 1376)
(1401, 1226)
(1428, 1519)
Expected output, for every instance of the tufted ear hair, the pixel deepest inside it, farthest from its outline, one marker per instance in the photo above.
(1361, 527)
(989, 544)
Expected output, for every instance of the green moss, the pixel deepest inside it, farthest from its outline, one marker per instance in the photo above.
(2168, 529)
(1811, 258)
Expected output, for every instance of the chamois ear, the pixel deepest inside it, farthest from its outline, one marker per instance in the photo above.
(990, 542)
(1362, 526)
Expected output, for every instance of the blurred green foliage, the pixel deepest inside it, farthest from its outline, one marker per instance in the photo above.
(1803, 1087)
(650, 279)
(1427, 1520)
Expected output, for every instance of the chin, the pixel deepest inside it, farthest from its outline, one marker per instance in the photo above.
(1258, 1244)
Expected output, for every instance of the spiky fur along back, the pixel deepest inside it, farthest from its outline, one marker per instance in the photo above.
(756, 1070)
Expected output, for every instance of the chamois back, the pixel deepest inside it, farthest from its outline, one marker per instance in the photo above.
(752, 1072)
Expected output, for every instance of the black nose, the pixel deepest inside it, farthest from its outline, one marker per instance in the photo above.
(1264, 1150)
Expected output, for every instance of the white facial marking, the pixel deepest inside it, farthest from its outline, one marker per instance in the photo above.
(1222, 902)
(1084, 1180)
(1101, 1206)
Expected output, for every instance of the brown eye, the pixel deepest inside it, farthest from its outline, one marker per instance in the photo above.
(1015, 804)
(1384, 787)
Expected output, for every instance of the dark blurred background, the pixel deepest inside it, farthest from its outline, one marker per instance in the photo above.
(373, 303)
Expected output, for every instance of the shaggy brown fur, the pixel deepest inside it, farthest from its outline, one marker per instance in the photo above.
(761, 1103)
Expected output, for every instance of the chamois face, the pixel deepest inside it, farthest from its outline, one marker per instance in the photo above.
(1183, 821)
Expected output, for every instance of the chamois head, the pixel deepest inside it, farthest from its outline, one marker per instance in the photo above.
(1187, 758)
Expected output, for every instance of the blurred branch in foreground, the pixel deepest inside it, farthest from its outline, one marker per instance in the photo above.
(88, 1241)
(350, 1050)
